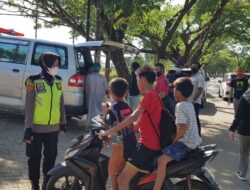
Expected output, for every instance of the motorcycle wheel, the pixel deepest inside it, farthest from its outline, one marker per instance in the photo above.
(196, 185)
(65, 180)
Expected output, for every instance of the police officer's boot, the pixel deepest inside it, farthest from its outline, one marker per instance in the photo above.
(45, 181)
(35, 185)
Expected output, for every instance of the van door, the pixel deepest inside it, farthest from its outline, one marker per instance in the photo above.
(13, 59)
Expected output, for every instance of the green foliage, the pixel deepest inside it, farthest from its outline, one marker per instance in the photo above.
(151, 21)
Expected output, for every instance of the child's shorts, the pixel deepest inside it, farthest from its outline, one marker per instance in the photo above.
(117, 161)
(176, 151)
(141, 158)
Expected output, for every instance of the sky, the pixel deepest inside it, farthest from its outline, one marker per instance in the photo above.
(26, 26)
(58, 34)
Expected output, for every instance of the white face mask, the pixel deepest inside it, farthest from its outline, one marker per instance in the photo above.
(53, 71)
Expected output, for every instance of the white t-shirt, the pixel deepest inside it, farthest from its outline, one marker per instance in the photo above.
(185, 114)
(198, 81)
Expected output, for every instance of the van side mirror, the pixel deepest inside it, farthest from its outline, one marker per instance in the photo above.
(219, 81)
(207, 79)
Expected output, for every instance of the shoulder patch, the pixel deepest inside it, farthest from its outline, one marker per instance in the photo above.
(30, 85)
(40, 87)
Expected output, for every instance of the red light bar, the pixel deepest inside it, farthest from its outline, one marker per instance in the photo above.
(10, 32)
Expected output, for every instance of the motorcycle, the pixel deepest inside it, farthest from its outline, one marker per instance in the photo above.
(85, 167)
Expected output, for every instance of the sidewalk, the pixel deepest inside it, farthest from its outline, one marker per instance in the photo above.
(13, 161)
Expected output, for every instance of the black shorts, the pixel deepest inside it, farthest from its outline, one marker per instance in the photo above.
(142, 158)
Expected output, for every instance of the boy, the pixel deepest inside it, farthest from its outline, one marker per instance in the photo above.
(187, 137)
(124, 141)
(142, 157)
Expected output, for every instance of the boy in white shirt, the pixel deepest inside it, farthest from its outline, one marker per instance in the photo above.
(187, 137)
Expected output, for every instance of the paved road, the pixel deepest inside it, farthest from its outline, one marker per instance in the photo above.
(215, 118)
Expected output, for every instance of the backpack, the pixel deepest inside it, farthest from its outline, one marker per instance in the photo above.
(167, 127)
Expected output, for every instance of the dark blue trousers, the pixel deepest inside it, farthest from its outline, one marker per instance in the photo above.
(46, 142)
(197, 110)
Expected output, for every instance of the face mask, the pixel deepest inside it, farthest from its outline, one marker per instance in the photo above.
(158, 73)
(53, 71)
(194, 70)
(240, 74)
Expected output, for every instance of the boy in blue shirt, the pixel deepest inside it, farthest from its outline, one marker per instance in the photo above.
(124, 142)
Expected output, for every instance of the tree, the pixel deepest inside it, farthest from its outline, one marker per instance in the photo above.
(179, 33)
(72, 13)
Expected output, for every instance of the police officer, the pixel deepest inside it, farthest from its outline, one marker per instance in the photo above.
(44, 117)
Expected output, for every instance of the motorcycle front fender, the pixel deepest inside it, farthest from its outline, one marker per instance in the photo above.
(209, 178)
(58, 168)
(66, 165)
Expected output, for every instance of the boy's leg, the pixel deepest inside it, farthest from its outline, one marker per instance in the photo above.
(114, 180)
(161, 171)
(125, 177)
(116, 165)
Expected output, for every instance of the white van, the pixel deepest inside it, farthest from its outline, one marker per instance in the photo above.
(19, 59)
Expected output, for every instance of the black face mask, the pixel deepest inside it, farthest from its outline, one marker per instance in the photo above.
(194, 70)
(158, 73)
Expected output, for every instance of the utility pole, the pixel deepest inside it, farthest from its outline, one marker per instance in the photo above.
(98, 30)
(36, 21)
(88, 22)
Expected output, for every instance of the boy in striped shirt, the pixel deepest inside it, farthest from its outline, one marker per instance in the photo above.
(187, 137)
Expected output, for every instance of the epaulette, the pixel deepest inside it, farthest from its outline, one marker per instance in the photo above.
(31, 78)
(34, 77)
(58, 77)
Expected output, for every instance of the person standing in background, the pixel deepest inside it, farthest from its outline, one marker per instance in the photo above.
(198, 82)
(161, 86)
(96, 88)
(241, 124)
(44, 118)
(238, 86)
(133, 93)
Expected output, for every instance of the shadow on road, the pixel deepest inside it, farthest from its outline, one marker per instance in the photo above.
(208, 109)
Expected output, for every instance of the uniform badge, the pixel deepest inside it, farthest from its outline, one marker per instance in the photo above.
(40, 88)
(59, 86)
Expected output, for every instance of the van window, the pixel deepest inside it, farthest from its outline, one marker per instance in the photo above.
(41, 48)
(13, 52)
(84, 59)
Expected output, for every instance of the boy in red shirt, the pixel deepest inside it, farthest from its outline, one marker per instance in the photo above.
(141, 158)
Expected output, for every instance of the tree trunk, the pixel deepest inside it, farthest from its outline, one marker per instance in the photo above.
(117, 58)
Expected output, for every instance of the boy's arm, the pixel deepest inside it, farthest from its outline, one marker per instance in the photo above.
(182, 129)
(128, 121)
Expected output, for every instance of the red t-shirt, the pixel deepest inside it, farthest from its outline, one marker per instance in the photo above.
(162, 84)
(152, 105)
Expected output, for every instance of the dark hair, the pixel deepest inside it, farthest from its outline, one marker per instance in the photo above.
(184, 86)
(135, 65)
(118, 86)
(147, 72)
(198, 64)
(160, 65)
(48, 58)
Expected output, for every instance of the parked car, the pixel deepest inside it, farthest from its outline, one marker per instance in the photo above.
(187, 73)
(224, 87)
(19, 59)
